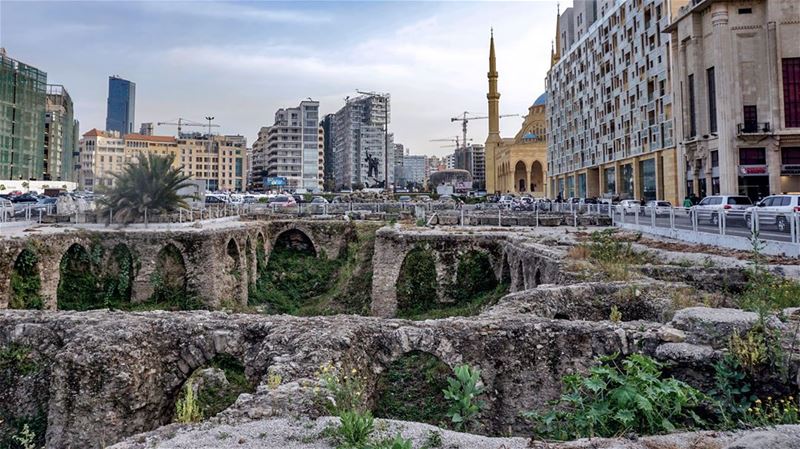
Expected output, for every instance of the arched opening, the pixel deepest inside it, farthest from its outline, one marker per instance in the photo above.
(261, 255)
(233, 270)
(296, 241)
(169, 279)
(521, 177)
(294, 276)
(25, 282)
(520, 277)
(78, 282)
(537, 278)
(537, 177)
(505, 274)
(118, 277)
(474, 276)
(561, 316)
(416, 284)
(411, 389)
(215, 386)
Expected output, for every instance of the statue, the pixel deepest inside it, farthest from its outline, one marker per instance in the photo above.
(372, 164)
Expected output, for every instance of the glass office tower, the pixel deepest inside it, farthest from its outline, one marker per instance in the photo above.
(121, 105)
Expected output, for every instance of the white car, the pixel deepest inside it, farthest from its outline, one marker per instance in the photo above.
(774, 210)
(629, 207)
(660, 207)
(710, 208)
(506, 200)
(6, 209)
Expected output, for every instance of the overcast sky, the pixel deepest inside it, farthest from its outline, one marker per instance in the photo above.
(240, 61)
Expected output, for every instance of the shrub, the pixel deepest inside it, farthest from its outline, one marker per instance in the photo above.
(615, 316)
(26, 438)
(617, 398)
(766, 291)
(473, 276)
(773, 412)
(397, 442)
(410, 389)
(344, 390)
(25, 282)
(462, 394)
(416, 283)
(187, 409)
(355, 429)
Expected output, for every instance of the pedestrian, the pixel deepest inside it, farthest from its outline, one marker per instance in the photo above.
(687, 202)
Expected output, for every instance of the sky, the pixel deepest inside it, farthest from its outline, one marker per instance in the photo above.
(241, 61)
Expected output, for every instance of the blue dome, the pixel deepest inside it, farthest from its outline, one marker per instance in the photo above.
(541, 100)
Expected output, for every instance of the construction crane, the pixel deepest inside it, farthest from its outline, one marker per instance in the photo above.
(451, 139)
(181, 122)
(464, 120)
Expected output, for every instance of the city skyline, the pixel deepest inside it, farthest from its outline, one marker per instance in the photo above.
(430, 56)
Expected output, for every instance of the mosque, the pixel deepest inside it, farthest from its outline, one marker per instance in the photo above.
(515, 165)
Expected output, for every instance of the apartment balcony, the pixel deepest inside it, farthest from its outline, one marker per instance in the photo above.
(753, 128)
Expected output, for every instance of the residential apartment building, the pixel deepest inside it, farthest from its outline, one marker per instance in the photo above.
(414, 170)
(736, 78)
(399, 152)
(101, 154)
(220, 162)
(359, 143)
(328, 182)
(258, 169)
(290, 153)
(23, 91)
(609, 106)
(449, 162)
(61, 135)
(121, 105)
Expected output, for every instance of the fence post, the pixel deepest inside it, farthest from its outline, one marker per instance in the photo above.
(145, 217)
(462, 217)
(537, 217)
(723, 219)
(793, 227)
(499, 218)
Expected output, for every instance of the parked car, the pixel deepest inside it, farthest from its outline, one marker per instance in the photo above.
(6, 209)
(46, 205)
(710, 208)
(628, 207)
(506, 200)
(774, 210)
(424, 198)
(319, 200)
(282, 200)
(216, 199)
(660, 207)
(27, 198)
(404, 199)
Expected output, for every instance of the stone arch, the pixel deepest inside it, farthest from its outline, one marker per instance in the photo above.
(25, 282)
(118, 275)
(505, 271)
(410, 388)
(537, 277)
(261, 254)
(295, 239)
(417, 281)
(537, 177)
(169, 277)
(520, 177)
(233, 267)
(77, 286)
(471, 274)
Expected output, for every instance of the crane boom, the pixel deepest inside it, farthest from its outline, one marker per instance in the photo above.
(181, 122)
(464, 119)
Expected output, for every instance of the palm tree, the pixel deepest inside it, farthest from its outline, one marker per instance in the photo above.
(150, 184)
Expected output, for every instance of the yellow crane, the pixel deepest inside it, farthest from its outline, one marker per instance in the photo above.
(464, 120)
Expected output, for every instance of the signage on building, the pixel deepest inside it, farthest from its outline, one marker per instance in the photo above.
(277, 181)
(753, 170)
(790, 169)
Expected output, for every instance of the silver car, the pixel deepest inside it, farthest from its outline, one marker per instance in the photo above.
(774, 210)
(711, 207)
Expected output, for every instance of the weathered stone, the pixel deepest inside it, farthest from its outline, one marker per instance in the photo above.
(705, 325)
(672, 335)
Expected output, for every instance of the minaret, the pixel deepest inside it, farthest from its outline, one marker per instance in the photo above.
(493, 96)
(493, 140)
(555, 53)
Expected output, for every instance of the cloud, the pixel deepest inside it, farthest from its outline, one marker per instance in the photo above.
(239, 11)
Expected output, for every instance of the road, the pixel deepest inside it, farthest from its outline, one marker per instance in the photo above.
(735, 226)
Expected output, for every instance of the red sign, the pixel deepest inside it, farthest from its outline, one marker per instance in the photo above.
(753, 170)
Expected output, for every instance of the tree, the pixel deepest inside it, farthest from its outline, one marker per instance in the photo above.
(150, 183)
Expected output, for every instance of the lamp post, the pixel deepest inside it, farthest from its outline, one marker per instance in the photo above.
(385, 98)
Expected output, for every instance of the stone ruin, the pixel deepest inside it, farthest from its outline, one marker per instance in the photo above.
(109, 378)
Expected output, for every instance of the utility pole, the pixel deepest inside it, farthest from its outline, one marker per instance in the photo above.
(385, 98)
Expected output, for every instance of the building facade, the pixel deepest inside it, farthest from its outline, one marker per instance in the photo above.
(359, 143)
(290, 153)
(258, 168)
(329, 179)
(23, 91)
(514, 165)
(61, 135)
(736, 78)
(101, 155)
(121, 105)
(472, 158)
(220, 162)
(609, 106)
(413, 172)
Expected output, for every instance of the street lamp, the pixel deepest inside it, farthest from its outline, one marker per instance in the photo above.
(385, 98)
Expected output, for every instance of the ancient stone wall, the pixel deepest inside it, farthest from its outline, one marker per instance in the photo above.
(220, 263)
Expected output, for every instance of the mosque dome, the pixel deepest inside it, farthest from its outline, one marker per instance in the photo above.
(541, 100)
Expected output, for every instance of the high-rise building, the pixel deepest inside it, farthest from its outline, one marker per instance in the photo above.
(413, 171)
(609, 105)
(450, 162)
(61, 135)
(23, 91)
(101, 155)
(472, 158)
(289, 153)
(121, 106)
(359, 143)
(736, 78)
(399, 152)
(258, 168)
(329, 178)
(147, 129)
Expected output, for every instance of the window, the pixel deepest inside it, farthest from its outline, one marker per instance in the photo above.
(692, 121)
(714, 159)
(712, 100)
(791, 91)
(739, 200)
(715, 186)
(752, 156)
(745, 10)
(750, 113)
(790, 156)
